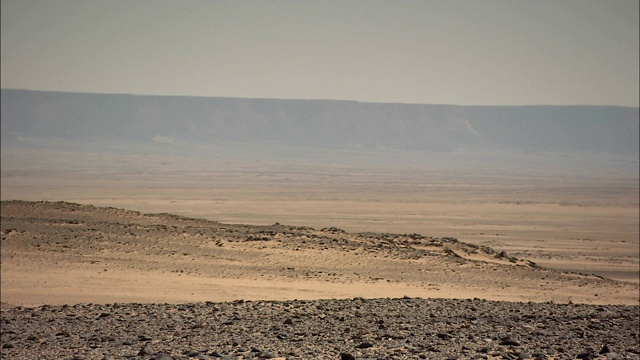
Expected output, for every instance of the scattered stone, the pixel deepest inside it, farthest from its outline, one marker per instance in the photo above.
(507, 341)
(162, 356)
(146, 350)
(103, 315)
(267, 355)
(413, 328)
(587, 354)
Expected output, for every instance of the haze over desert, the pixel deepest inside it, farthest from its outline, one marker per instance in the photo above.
(293, 180)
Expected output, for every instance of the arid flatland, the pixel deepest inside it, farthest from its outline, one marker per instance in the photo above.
(65, 253)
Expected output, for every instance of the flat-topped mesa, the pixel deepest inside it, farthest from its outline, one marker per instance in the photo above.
(163, 120)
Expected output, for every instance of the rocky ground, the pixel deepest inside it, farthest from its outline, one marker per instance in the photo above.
(402, 328)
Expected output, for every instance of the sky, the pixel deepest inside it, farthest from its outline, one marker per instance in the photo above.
(463, 52)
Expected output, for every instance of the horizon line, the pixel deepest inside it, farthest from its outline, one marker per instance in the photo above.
(319, 99)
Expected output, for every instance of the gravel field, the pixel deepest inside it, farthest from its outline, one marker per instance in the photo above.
(358, 328)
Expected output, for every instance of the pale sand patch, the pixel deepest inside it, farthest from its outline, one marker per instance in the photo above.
(51, 286)
(56, 287)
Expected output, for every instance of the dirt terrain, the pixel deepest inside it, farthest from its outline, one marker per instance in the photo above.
(569, 221)
(65, 253)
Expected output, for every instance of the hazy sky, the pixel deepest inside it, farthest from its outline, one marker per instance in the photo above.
(474, 52)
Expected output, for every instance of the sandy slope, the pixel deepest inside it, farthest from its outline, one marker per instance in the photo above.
(55, 253)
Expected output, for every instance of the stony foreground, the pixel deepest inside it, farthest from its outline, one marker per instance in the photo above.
(406, 328)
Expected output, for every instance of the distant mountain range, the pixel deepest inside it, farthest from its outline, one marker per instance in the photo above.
(318, 123)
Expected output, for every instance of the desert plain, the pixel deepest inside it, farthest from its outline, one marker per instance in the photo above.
(581, 233)
(191, 258)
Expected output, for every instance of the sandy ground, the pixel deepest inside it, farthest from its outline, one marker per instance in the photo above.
(57, 253)
(577, 224)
